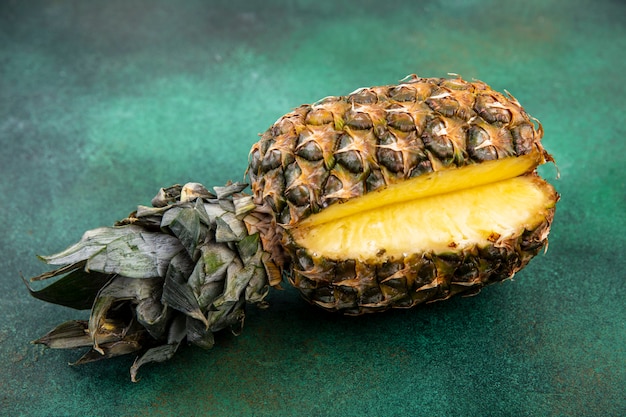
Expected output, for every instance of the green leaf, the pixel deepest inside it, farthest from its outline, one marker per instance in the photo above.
(229, 228)
(92, 242)
(229, 190)
(215, 260)
(77, 289)
(209, 292)
(199, 335)
(209, 274)
(177, 293)
(127, 250)
(154, 316)
(184, 223)
(117, 290)
(213, 211)
(258, 287)
(140, 255)
(243, 205)
(167, 195)
(59, 271)
(110, 350)
(200, 209)
(228, 315)
(165, 352)
(237, 278)
(248, 247)
(194, 191)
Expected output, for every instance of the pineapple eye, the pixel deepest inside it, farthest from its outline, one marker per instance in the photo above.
(271, 160)
(401, 121)
(310, 151)
(435, 139)
(318, 117)
(388, 154)
(402, 93)
(333, 185)
(359, 120)
(363, 96)
(480, 146)
(348, 155)
(523, 138)
(299, 195)
(492, 110)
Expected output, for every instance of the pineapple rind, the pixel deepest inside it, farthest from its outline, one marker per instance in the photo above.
(356, 287)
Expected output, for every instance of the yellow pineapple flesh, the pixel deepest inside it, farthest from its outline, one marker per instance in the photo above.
(441, 221)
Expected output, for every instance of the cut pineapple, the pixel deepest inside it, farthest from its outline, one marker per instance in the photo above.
(430, 184)
(439, 223)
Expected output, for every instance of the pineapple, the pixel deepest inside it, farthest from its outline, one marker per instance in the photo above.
(388, 197)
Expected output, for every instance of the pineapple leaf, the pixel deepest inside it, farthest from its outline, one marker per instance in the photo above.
(207, 278)
(121, 347)
(229, 314)
(117, 290)
(164, 352)
(184, 223)
(127, 250)
(237, 278)
(92, 242)
(199, 335)
(167, 196)
(110, 350)
(153, 315)
(68, 335)
(248, 247)
(229, 190)
(77, 289)
(136, 255)
(229, 228)
(177, 293)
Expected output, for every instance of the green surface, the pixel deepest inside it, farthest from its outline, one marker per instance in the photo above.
(103, 103)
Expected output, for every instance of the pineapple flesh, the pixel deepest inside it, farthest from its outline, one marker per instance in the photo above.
(388, 197)
(441, 223)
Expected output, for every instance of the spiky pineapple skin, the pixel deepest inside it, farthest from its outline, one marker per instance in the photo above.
(341, 148)
(364, 286)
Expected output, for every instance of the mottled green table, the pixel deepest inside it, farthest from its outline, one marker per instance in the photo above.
(102, 103)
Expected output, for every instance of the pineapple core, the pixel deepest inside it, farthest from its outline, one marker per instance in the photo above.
(444, 211)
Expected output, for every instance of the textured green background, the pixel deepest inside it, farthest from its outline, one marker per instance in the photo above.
(102, 103)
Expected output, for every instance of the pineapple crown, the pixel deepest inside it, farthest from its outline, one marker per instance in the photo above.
(181, 269)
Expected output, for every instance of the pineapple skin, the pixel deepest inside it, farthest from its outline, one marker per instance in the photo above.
(341, 148)
(356, 286)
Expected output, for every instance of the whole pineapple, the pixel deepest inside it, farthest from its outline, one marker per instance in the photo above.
(388, 197)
